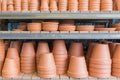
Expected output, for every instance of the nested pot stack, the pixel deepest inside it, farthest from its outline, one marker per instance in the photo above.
(17, 5)
(100, 61)
(44, 5)
(106, 5)
(83, 5)
(116, 62)
(62, 5)
(94, 5)
(73, 5)
(10, 5)
(25, 5)
(4, 5)
(60, 56)
(77, 67)
(46, 66)
(33, 5)
(27, 57)
(53, 5)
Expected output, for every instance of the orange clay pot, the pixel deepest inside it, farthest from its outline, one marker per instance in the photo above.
(105, 29)
(24, 5)
(67, 27)
(94, 5)
(17, 5)
(98, 75)
(4, 5)
(44, 5)
(73, 5)
(83, 5)
(79, 70)
(50, 26)
(76, 49)
(62, 5)
(0, 6)
(34, 26)
(116, 54)
(85, 28)
(99, 66)
(53, 5)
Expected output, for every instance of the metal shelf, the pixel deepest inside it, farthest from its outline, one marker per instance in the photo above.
(60, 35)
(59, 15)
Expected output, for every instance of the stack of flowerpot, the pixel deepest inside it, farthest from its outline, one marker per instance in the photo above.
(24, 5)
(33, 5)
(42, 49)
(83, 5)
(116, 62)
(62, 5)
(67, 25)
(85, 28)
(106, 5)
(77, 67)
(60, 56)
(4, 5)
(53, 5)
(50, 26)
(17, 5)
(76, 49)
(73, 5)
(11, 68)
(117, 4)
(10, 6)
(28, 58)
(46, 66)
(94, 5)
(100, 61)
(2, 54)
(44, 5)
(34, 27)
(117, 26)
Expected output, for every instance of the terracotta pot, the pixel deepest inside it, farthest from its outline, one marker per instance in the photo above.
(17, 5)
(79, 70)
(0, 6)
(76, 49)
(94, 5)
(28, 49)
(17, 30)
(73, 5)
(115, 74)
(42, 48)
(100, 66)
(106, 5)
(34, 26)
(115, 65)
(34, 5)
(22, 26)
(116, 54)
(50, 26)
(10, 69)
(53, 5)
(67, 27)
(105, 29)
(98, 75)
(99, 48)
(62, 5)
(83, 5)
(24, 5)
(85, 28)
(44, 5)
(4, 5)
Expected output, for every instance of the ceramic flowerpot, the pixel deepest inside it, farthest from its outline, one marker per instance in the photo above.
(98, 75)
(67, 27)
(79, 70)
(24, 5)
(76, 49)
(83, 5)
(85, 28)
(34, 5)
(4, 5)
(116, 54)
(43, 48)
(50, 26)
(44, 5)
(46, 66)
(53, 5)
(23, 26)
(10, 69)
(73, 5)
(106, 5)
(62, 5)
(17, 5)
(34, 26)
(94, 5)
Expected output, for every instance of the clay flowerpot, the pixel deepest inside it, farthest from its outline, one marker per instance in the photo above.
(0, 6)
(34, 5)
(10, 68)
(83, 5)
(79, 70)
(44, 5)
(50, 26)
(73, 5)
(98, 75)
(53, 5)
(46, 66)
(17, 5)
(106, 5)
(34, 26)
(43, 48)
(67, 27)
(4, 5)
(24, 5)
(76, 49)
(105, 29)
(62, 5)
(85, 28)
(17, 30)
(94, 5)
(22, 26)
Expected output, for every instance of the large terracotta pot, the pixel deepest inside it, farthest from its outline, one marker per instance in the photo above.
(76, 49)
(62, 5)
(79, 70)
(83, 5)
(46, 66)
(10, 69)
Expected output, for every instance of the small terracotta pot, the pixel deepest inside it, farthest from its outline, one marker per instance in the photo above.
(0, 6)
(116, 54)
(105, 29)
(85, 28)
(53, 5)
(80, 69)
(83, 5)
(24, 5)
(99, 66)
(76, 49)
(62, 5)
(34, 26)
(34, 5)
(67, 27)
(50, 26)
(101, 71)
(98, 75)
(22, 26)
(44, 5)
(10, 69)
(106, 5)
(17, 5)
(94, 5)
(4, 5)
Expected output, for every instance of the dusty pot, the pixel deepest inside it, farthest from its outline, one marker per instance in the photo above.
(76, 49)
(79, 70)
(34, 26)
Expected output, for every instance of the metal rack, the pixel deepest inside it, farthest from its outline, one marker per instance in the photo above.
(59, 15)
